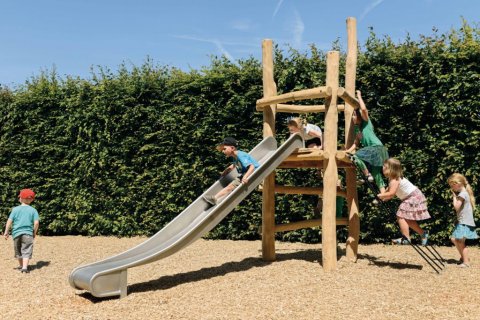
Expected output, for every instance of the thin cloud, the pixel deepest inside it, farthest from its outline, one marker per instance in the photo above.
(218, 44)
(369, 8)
(298, 29)
(279, 4)
(222, 49)
(241, 25)
(228, 43)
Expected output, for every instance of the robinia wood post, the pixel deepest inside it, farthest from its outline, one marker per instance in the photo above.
(268, 197)
(351, 177)
(329, 234)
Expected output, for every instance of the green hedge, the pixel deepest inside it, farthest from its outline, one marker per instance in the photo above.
(124, 152)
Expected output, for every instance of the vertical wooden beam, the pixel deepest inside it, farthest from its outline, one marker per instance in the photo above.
(351, 177)
(268, 196)
(329, 234)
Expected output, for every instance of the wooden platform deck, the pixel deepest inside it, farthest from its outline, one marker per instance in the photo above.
(313, 158)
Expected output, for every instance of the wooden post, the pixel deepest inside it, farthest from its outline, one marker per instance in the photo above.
(268, 196)
(329, 234)
(351, 177)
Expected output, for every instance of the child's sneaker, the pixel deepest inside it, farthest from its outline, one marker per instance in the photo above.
(400, 241)
(424, 238)
(464, 265)
(210, 199)
(25, 270)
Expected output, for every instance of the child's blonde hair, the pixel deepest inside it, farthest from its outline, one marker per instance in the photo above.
(296, 122)
(394, 169)
(458, 178)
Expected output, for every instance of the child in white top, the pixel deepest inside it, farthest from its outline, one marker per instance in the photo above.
(464, 204)
(414, 204)
(312, 134)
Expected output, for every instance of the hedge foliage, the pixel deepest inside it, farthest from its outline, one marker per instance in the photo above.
(124, 152)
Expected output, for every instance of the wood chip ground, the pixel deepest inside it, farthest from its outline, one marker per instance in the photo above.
(229, 280)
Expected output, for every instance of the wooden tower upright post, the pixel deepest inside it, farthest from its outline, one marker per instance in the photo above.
(329, 159)
(268, 197)
(351, 177)
(329, 233)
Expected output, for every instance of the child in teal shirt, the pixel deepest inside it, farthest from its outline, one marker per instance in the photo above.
(242, 161)
(25, 221)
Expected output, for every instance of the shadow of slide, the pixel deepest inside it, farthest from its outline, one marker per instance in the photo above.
(171, 281)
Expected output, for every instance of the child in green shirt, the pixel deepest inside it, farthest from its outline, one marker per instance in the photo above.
(373, 153)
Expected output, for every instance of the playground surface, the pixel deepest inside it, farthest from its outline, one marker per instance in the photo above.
(228, 280)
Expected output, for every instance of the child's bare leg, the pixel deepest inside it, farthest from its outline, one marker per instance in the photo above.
(20, 262)
(404, 228)
(415, 227)
(456, 242)
(465, 257)
(225, 191)
(462, 249)
(25, 263)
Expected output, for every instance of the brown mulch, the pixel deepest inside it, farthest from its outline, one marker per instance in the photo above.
(229, 280)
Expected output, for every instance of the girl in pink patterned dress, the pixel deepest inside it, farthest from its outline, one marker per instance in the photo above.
(414, 204)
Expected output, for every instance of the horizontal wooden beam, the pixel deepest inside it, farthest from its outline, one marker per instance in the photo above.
(351, 100)
(298, 108)
(319, 92)
(311, 164)
(308, 154)
(313, 154)
(342, 155)
(313, 158)
(307, 224)
(298, 190)
(305, 190)
(303, 164)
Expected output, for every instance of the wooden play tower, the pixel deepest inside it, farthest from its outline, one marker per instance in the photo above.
(329, 159)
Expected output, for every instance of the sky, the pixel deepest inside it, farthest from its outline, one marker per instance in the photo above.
(76, 37)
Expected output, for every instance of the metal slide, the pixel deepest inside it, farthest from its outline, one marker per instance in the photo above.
(109, 277)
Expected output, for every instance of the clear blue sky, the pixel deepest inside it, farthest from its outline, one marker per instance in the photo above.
(76, 35)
